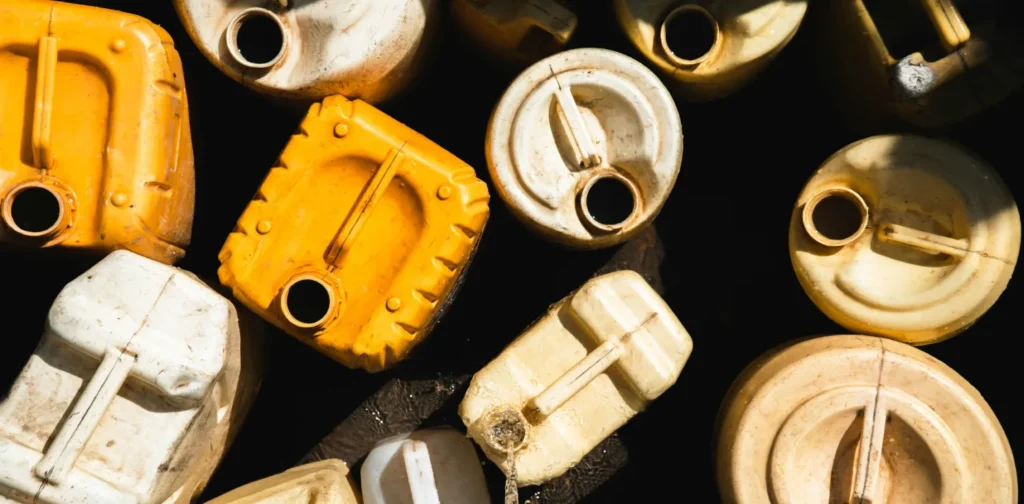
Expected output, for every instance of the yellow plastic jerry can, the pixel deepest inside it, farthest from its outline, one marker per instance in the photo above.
(518, 31)
(323, 482)
(710, 49)
(929, 62)
(95, 149)
(905, 237)
(859, 419)
(575, 376)
(356, 242)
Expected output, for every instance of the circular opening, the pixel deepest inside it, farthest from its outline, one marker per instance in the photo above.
(689, 34)
(505, 430)
(256, 38)
(608, 201)
(836, 217)
(34, 211)
(307, 302)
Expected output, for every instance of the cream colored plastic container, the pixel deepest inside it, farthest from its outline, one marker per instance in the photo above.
(131, 394)
(861, 420)
(430, 466)
(585, 147)
(905, 237)
(550, 398)
(366, 49)
(323, 482)
(710, 49)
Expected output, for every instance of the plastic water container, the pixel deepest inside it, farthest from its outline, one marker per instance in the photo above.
(710, 49)
(367, 49)
(432, 466)
(515, 31)
(323, 482)
(133, 393)
(356, 241)
(905, 237)
(859, 419)
(585, 147)
(591, 363)
(83, 166)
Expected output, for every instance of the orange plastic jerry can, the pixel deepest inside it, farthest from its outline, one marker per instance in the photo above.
(95, 149)
(357, 239)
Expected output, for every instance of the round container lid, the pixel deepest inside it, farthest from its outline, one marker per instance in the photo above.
(905, 237)
(585, 147)
(860, 419)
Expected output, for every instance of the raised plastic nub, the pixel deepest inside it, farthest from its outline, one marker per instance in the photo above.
(256, 38)
(420, 473)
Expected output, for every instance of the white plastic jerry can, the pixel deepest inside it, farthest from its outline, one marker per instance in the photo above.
(430, 466)
(857, 419)
(585, 147)
(575, 376)
(131, 393)
(323, 482)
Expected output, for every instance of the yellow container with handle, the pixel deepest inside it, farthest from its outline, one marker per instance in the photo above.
(357, 240)
(95, 148)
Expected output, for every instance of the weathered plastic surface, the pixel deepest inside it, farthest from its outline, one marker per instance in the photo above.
(905, 237)
(131, 394)
(83, 166)
(430, 466)
(549, 398)
(710, 49)
(375, 222)
(859, 419)
(924, 62)
(517, 31)
(324, 482)
(366, 49)
(585, 147)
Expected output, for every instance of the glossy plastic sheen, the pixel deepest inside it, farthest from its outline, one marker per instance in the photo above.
(938, 239)
(130, 395)
(859, 419)
(743, 36)
(518, 31)
(550, 395)
(570, 121)
(323, 482)
(116, 166)
(366, 49)
(380, 217)
(430, 466)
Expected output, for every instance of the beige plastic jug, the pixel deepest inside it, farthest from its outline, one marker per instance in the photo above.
(591, 363)
(584, 147)
(323, 482)
(859, 419)
(132, 394)
(905, 237)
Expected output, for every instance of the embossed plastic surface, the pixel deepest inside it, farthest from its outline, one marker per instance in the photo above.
(575, 376)
(356, 241)
(130, 395)
(95, 148)
(710, 49)
(859, 419)
(323, 482)
(905, 237)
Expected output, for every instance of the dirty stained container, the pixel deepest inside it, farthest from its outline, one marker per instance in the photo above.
(323, 482)
(430, 466)
(518, 32)
(591, 363)
(133, 394)
(708, 50)
(95, 150)
(906, 237)
(356, 241)
(931, 63)
(366, 49)
(584, 147)
(859, 419)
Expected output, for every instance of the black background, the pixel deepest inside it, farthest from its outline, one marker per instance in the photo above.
(727, 272)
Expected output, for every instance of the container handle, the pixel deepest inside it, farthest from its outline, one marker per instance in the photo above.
(419, 472)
